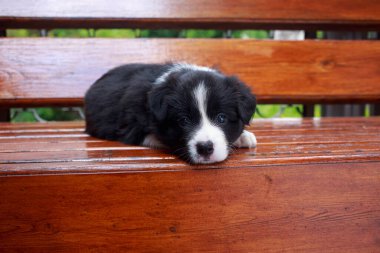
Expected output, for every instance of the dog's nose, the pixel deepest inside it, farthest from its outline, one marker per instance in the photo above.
(205, 148)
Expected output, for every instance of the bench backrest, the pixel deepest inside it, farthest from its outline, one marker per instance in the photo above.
(52, 71)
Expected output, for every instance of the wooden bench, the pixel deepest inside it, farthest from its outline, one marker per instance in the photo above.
(311, 185)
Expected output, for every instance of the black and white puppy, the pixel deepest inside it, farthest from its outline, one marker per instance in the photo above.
(196, 112)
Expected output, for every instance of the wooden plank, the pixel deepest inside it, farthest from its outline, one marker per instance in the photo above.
(269, 126)
(126, 154)
(277, 123)
(4, 112)
(212, 14)
(118, 161)
(306, 187)
(289, 130)
(322, 134)
(63, 146)
(59, 71)
(343, 109)
(265, 137)
(297, 208)
(281, 141)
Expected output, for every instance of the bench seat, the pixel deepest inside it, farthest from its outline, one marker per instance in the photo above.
(35, 148)
(308, 182)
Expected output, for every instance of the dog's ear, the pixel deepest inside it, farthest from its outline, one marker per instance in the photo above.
(246, 99)
(159, 95)
(157, 102)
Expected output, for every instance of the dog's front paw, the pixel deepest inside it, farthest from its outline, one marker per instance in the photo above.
(152, 142)
(246, 140)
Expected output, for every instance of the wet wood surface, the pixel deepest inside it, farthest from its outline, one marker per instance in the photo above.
(228, 14)
(36, 72)
(309, 186)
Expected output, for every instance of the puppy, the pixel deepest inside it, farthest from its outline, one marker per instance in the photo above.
(196, 112)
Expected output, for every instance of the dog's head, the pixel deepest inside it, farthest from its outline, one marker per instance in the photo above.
(199, 114)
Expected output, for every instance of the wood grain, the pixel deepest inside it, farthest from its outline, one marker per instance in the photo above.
(64, 148)
(230, 14)
(311, 185)
(36, 72)
(291, 208)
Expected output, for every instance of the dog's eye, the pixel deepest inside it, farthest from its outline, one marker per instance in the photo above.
(183, 121)
(221, 118)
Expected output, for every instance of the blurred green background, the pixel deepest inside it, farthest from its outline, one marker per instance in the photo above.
(57, 114)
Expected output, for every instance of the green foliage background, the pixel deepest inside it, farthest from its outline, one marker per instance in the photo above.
(56, 114)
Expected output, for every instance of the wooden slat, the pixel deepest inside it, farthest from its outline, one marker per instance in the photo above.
(311, 185)
(59, 71)
(229, 14)
(276, 123)
(66, 149)
(292, 208)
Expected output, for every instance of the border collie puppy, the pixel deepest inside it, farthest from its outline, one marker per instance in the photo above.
(196, 112)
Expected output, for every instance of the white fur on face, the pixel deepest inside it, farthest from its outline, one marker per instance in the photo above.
(180, 66)
(207, 132)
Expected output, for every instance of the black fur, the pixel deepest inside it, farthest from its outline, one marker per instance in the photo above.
(125, 104)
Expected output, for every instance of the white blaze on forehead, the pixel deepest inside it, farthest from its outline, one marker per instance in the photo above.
(207, 132)
(181, 66)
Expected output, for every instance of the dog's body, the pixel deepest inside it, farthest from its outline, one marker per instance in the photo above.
(197, 112)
